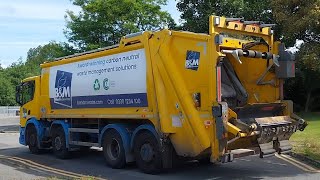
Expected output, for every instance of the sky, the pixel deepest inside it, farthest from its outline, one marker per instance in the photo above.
(26, 24)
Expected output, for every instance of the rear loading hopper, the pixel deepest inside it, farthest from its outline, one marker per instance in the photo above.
(264, 128)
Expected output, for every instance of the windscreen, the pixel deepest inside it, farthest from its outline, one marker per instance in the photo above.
(25, 92)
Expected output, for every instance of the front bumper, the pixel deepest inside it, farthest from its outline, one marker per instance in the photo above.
(22, 137)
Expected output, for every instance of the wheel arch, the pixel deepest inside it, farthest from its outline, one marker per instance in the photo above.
(40, 128)
(125, 135)
(145, 127)
(64, 125)
(148, 163)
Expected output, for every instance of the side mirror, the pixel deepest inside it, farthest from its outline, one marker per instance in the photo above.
(18, 94)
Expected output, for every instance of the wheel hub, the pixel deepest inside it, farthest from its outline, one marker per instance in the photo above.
(147, 152)
(32, 140)
(113, 149)
(57, 143)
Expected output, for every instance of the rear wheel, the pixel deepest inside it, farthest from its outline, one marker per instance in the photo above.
(113, 149)
(59, 146)
(32, 139)
(147, 153)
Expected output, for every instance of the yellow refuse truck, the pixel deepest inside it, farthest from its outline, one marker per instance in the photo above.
(158, 97)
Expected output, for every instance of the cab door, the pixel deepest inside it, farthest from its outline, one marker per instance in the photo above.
(28, 97)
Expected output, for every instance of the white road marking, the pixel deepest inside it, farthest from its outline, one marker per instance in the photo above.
(297, 163)
(33, 164)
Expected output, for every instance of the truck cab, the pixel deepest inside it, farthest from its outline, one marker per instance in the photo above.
(27, 96)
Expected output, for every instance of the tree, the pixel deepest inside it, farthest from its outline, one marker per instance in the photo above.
(47, 52)
(195, 14)
(300, 19)
(7, 91)
(308, 58)
(102, 23)
(295, 19)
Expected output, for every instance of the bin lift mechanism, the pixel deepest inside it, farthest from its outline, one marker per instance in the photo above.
(255, 54)
(251, 53)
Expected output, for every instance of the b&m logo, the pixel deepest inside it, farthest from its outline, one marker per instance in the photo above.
(192, 60)
(63, 89)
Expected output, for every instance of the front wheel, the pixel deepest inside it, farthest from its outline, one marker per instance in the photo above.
(147, 153)
(59, 146)
(32, 142)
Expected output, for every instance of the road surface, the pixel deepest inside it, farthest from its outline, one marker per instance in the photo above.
(17, 163)
(9, 124)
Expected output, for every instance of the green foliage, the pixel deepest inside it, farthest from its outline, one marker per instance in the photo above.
(18, 71)
(295, 19)
(48, 52)
(195, 14)
(305, 87)
(7, 90)
(299, 19)
(102, 23)
(309, 56)
(307, 142)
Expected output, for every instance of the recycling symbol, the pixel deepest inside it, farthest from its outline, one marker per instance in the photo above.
(106, 83)
(96, 85)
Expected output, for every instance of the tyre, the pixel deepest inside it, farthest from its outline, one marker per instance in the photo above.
(59, 146)
(32, 140)
(205, 160)
(113, 149)
(147, 153)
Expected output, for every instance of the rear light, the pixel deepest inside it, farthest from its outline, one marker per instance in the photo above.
(267, 108)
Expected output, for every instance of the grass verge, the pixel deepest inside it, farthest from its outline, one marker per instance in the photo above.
(307, 142)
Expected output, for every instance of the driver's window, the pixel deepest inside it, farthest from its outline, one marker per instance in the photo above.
(27, 92)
